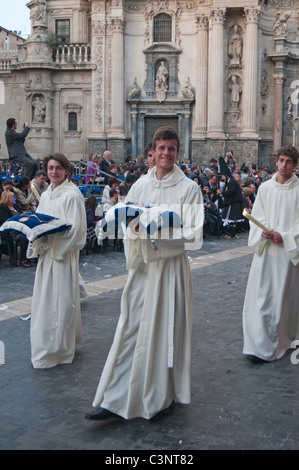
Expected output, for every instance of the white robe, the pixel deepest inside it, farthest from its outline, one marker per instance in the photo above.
(148, 365)
(271, 307)
(56, 314)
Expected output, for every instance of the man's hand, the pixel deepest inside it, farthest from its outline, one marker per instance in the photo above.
(275, 237)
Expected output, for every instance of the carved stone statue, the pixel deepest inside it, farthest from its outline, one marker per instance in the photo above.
(134, 91)
(39, 14)
(280, 26)
(161, 82)
(39, 110)
(161, 78)
(235, 48)
(236, 90)
(187, 91)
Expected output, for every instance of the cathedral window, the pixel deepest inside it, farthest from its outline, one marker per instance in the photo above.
(63, 31)
(72, 121)
(162, 28)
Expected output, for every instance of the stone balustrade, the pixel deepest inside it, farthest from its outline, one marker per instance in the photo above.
(72, 54)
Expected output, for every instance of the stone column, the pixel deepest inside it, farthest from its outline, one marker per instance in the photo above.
(98, 77)
(117, 79)
(278, 110)
(134, 130)
(187, 114)
(216, 74)
(201, 84)
(250, 73)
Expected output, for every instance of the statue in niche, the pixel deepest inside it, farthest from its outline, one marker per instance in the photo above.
(235, 48)
(161, 82)
(187, 91)
(135, 90)
(39, 110)
(161, 78)
(280, 26)
(236, 91)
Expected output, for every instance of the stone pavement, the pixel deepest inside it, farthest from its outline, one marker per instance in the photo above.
(235, 404)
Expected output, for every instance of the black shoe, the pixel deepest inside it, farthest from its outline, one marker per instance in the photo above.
(254, 358)
(100, 414)
(162, 413)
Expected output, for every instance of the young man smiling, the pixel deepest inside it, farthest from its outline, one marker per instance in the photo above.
(56, 315)
(148, 366)
(271, 307)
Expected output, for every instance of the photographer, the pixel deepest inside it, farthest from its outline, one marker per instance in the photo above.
(230, 160)
(16, 148)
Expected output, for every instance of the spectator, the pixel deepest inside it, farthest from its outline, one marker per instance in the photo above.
(112, 183)
(230, 160)
(125, 186)
(91, 204)
(233, 203)
(93, 171)
(105, 164)
(16, 149)
(39, 185)
(113, 199)
(210, 219)
(9, 209)
(140, 164)
(149, 154)
(24, 194)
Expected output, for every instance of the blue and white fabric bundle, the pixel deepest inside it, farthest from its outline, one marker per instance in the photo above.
(34, 225)
(139, 219)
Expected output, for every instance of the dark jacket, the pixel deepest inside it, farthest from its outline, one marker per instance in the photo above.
(5, 213)
(105, 168)
(15, 142)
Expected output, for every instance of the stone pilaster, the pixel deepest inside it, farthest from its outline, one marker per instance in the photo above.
(250, 73)
(278, 110)
(216, 74)
(117, 79)
(98, 76)
(201, 85)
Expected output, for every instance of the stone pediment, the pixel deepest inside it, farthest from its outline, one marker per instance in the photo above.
(162, 47)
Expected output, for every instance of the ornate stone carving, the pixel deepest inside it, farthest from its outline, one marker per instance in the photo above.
(38, 109)
(264, 85)
(235, 92)
(235, 48)
(39, 13)
(218, 15)
(252, 14)
(280, 27)
(161, 85)
(134, 91)
(187, 91)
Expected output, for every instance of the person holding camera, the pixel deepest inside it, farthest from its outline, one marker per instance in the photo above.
(16, 148)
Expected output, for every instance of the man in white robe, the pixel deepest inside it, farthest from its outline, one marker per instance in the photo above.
(148, 366)
(56, 314)
(271, 307)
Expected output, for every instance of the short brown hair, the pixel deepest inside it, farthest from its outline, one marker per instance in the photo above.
(59, 157)
(288, 151)
(165, 133)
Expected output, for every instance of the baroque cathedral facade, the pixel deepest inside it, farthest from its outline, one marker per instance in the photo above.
(105, 74)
